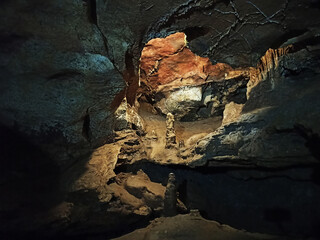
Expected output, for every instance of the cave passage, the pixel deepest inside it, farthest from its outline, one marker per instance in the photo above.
(185, 119)
(187, 113)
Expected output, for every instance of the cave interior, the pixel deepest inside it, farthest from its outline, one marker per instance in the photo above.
(191, 119)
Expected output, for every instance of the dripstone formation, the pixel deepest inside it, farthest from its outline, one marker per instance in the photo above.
(170, 132)
(170, 197)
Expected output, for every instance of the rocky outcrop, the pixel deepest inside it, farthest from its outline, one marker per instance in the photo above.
(138, 192)
(231, 112)
(127, 117)
(237, 33)
(276, 124)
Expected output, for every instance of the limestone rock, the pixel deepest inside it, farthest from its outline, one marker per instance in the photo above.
(157, 49)
(170, 132)
(62, 64)
(167, 63)
(138, 193)
(140, 186)
(127, 117)
(276, 127)
(186, 84)
(231, 112)
(182, 102)
(125, 33)
(170, 197)
(57, 84)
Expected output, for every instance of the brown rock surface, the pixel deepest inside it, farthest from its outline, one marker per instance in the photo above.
(158, 48)
(231, 112)
(168, 61)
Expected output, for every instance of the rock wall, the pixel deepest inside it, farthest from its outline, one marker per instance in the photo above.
(62, 66)
(277, 122)
(57, 83)
(66, 66)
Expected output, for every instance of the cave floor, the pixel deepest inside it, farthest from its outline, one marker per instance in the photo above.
(192, 226)
(186, 132)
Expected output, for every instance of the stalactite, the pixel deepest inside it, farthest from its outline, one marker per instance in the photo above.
(267, 64)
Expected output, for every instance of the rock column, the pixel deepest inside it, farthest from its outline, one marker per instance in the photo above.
(170, 133)
(170, 197)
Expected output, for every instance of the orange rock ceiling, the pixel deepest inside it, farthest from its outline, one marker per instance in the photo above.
(168, 61)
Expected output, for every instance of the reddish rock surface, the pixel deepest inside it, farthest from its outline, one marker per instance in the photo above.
(168, 61)
(158, 48)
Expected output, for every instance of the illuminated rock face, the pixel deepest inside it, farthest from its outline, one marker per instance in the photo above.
(177, 77)
(158, 48)
(169, 62)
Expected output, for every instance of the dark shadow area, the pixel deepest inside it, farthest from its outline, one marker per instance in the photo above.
(86, 131)
(11, 42)
(37, 203)
(195, 32)
(91, 11)
(20, 156)
(312, 140)
(29, 182)
(314, 3)
(278, 215)
(316, 175)
(64, 75)
(131, 79)
(286, 36)
(268, 203)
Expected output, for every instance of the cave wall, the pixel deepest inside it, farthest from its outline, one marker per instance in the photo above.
(62, 64)
(233, 32)
(65, 66)
(57, 83)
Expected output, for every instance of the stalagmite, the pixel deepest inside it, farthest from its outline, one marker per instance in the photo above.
(170, 197)
(170, 134)
(181, 144)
